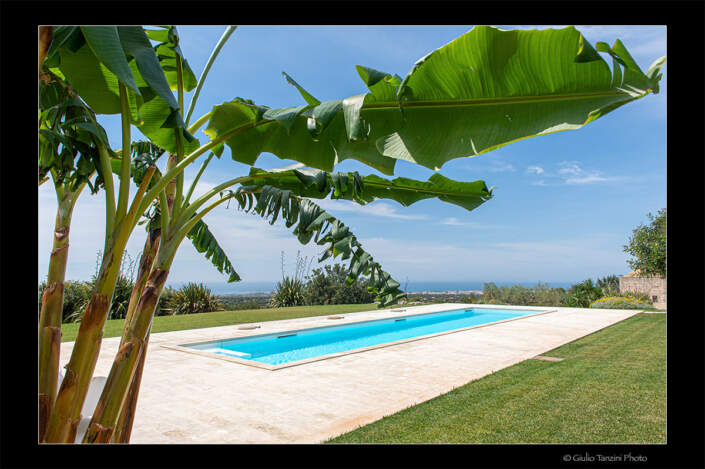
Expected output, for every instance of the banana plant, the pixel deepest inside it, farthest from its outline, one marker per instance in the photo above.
(68, 133)
(74, 53)
(116, 70)
(484, 90)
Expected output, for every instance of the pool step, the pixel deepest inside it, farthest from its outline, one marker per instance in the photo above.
(232, 353)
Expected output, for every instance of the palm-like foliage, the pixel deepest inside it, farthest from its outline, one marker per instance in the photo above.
(193, 298)
(291, 291)
(581, 295)
(485, 89)
(288, 292)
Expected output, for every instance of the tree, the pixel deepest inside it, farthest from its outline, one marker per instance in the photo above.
(327, 286)
(116, 70)
(647, 246)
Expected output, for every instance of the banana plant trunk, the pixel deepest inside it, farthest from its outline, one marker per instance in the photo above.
(103, 422)
(123, 428)
(66, 414)
(50, 315)
(114, 414)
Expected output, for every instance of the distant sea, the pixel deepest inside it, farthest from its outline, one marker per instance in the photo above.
(242, 288)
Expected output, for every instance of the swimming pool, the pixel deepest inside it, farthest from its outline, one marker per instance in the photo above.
(299, 346)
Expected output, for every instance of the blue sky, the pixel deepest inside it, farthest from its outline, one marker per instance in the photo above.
(564, 205)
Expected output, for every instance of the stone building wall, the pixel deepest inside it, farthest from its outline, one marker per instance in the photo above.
(652, 286)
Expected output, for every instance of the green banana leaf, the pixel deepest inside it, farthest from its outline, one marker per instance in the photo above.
(94, 60)
(167, 51)
(312, 222)
(68, 137)
(483, 90)
(205, 243)
(363, 190)
(145, 155)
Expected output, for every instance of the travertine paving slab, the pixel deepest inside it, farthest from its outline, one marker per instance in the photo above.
(189, 398)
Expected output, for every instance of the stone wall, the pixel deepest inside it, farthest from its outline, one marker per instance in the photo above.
(652, 286)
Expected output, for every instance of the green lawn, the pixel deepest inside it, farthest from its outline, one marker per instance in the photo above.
(611, 388)
(113, 328)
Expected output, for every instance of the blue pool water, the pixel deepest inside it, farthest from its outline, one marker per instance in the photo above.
(285, 347)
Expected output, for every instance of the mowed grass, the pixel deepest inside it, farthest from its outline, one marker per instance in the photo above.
(113, 328)
(610, 388)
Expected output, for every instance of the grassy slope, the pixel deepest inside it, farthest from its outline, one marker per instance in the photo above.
(113, 328)
(611, 388)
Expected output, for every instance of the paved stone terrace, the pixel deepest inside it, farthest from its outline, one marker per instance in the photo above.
(189, 398)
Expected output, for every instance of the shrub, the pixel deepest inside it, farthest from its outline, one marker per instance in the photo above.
(76, 295)
(192, 298)
(165, 299)
(618, 302)
(581, 295)
(540, 295)
(121, 295)
(290, 291)
(547, 296)
(639, 296)
(609, 285)
(471, 298)
(328, 286)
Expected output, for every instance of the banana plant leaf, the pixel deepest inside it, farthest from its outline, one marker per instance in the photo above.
(485, 89)
(363, 190)
(167, 50)
(312, 222)
(145, 155)
(205, 243)
(94, 60)
(68, 136)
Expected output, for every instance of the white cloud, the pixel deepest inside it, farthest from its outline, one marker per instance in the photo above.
(452, 221)
(569, 167)
(586, 179)
(377, 209)
(570, 173)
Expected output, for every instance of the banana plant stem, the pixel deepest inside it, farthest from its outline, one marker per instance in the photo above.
(187, 199)
(221, 42)
(52, 305)
(109, 187)
(125, 163)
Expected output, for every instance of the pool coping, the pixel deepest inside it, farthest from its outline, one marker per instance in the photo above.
(266, 366)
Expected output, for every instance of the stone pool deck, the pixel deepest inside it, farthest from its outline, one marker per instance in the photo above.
(190, 398)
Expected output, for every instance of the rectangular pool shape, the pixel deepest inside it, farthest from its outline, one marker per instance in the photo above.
(305, 344)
